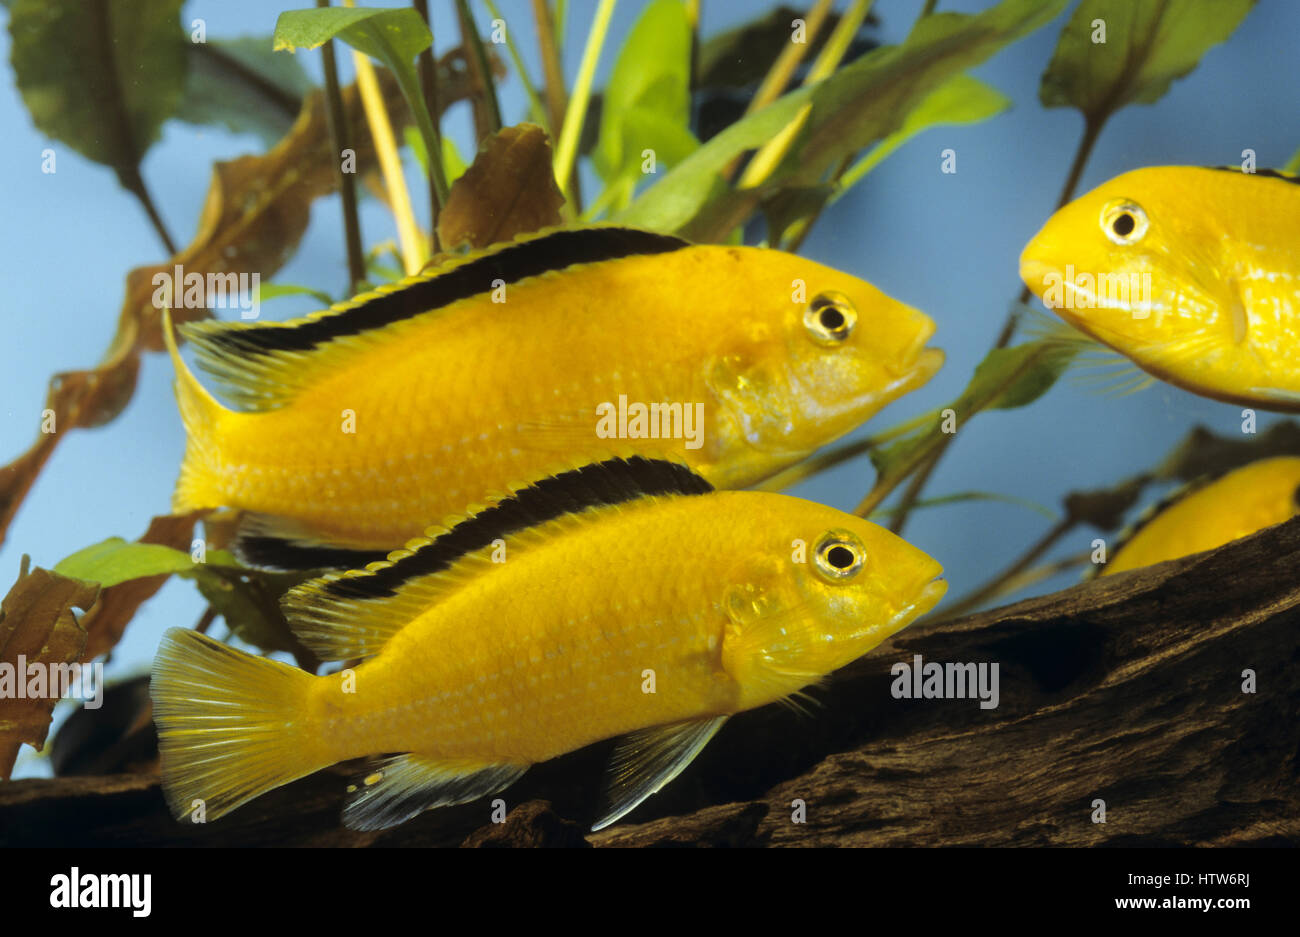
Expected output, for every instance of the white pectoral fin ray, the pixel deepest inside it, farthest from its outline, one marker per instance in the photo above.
(645, 761)
(400, 787)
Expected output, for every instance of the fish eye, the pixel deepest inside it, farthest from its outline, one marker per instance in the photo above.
(830, 318)
(839, 556)
(1123, 221)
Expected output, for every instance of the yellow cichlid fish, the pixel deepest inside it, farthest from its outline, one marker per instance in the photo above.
(362, 424)
(1243, 501)
(1192, 273)
(495, 645)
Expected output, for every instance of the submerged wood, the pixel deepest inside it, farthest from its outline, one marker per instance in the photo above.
(1125, 689)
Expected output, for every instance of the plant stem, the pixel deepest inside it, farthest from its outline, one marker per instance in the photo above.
(390, 164)
(977, 598)
(429, 85)
(336, 121)
(928, 8)
(206, 620)
(567, 152)
(487, 118)
(774, 151)
(534, 101)
(133, 182)
(1091, 131)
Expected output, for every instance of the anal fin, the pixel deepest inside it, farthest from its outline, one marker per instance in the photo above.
(400, 787)
(646, 761)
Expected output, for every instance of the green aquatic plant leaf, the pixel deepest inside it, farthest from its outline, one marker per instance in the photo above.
(962, 99)
(246, 599)
(1293, 164)
(695, 185)
(101, 77)
(870, 99)
(646, 104)
(243, 85)
(1007, 378)
(267, 291)
(115, 561)
(1113, 53)
(394, 37)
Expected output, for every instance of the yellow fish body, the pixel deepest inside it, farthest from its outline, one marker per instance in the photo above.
(1243, 501)
(364, 423)
(1192, 273)
(639, 604)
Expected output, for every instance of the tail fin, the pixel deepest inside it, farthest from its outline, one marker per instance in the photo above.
(230, 725)
(200, 412)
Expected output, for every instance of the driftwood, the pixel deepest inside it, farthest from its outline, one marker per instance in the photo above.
(1126, 689)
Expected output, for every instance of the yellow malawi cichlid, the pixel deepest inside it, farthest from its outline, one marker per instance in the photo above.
(1243, 501)
(1192, 273)
(638, 602)
(369, 421)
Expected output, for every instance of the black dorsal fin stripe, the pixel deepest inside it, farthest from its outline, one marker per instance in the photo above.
(529, 258)
(601, 484)
(273, 553)
(1267, 173)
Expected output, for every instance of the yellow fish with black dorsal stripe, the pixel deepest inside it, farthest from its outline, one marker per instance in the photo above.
(1192, 273)
(453, 394)
(1213, 513)
(613, 574)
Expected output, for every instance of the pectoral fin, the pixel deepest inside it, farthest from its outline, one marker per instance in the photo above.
(398, 788)
(645, 761)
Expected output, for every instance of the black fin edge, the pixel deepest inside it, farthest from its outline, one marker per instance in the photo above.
(529, 258)
(600, 484)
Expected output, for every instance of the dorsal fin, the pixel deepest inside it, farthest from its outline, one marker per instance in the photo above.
(1265, 173)
(1150, 513)
(352, 614)
(262, 364)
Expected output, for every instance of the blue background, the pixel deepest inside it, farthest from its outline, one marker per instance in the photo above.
(947, 244)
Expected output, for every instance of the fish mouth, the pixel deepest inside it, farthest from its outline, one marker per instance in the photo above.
(1034, 273)
(927, 599)
(920, 363)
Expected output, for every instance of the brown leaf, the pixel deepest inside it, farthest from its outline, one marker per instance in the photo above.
(255, 213)
(38, 626)
(510, 190)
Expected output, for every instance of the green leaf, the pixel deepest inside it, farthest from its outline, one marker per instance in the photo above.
(101, 77)
(116, 560)
(691, 186)
(1007, 378)
(267, 291)
(243, 85)
(381, 33)
(246, 599)
(962, 99)
(392, 36)
(1293, 164)
(1148, 45)
(871, 98)
(646, 104)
